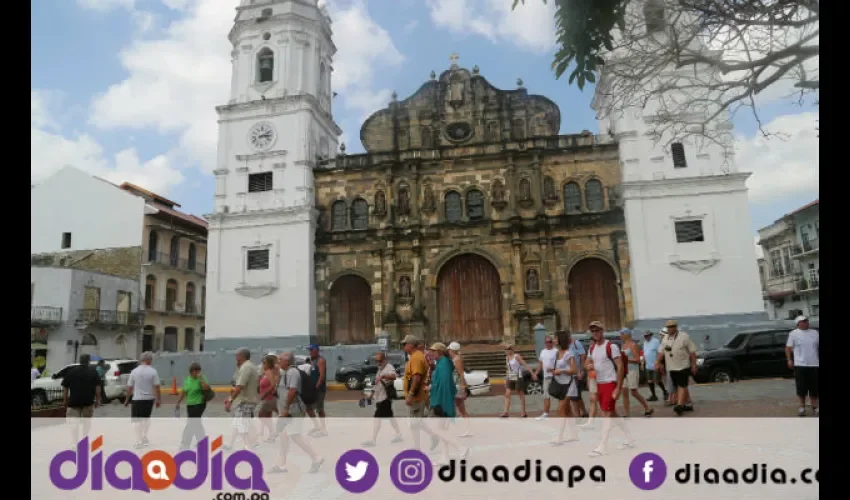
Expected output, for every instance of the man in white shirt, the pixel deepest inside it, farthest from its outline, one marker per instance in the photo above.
(547, 358)
(143, 391)
(803, 345)
(292, 411)
(608, 364)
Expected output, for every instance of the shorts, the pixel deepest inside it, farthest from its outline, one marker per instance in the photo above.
(141, 409)
(78, 412)
(242, 416)
(268, 405)
(291, 425)
(591, 386)
(632, 379)
(319, 405)
(680, 377)
(806, 378)
(384, 409)
(605, 391)
(546, 382)
(517, 385)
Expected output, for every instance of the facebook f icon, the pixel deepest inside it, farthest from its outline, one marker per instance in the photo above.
(648, 471)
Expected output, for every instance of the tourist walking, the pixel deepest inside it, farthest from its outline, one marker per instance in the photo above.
(318, 374)
(592, 390)
(268, 396)
(442, 393)
(680, 360)
(382, 389)
(803, 354)
(651, 346)
(244, 398)
(579, 354)
(610, 372)
(194, 391)
(564, 382)
(545, 365)
(632, 378)
(415, 393)
(144, 392)
(292, 412)
(462, 387)
(516, 366)
(81, 393)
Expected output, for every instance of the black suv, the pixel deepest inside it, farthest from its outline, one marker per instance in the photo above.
(353, 375)
(750, 353)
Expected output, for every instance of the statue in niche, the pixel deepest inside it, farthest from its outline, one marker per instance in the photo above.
(549, 189)
(532, 281)
(380, 203)
(403, 201)
(404, 287)
(455, 97)
(524, 190)
(498, 194)
(429, 203)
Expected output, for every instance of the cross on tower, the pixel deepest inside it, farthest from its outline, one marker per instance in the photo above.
(453, 58)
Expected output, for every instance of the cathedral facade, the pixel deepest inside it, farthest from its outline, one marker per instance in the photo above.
(469, 218)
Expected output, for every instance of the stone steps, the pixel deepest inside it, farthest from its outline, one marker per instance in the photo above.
(494, 360)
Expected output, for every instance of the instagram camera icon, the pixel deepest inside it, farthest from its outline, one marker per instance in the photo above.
(411, 471)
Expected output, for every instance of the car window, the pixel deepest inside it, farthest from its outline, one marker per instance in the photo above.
(736, 341)
(61, 373)
(780, 338)
(761, 340)
(126, 368)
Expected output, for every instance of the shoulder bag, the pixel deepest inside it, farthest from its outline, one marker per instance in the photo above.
(556, 389)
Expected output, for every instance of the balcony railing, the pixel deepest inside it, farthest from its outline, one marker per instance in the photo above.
(45, 315)
(95, 316)
(168, 306)
(172, 261)
(807, 284)
(811, 245)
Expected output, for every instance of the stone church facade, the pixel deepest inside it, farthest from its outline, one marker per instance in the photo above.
(470, 218)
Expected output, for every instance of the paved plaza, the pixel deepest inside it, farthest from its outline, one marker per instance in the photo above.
(749, 398)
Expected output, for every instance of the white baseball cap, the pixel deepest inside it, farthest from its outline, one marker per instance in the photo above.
(801, 318)
(454, 346)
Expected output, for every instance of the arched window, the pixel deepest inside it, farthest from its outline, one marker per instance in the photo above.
(153, 241)
(572, 198)
(454, 212)
(170, 294)
(265, 65)
(474, 204)
(174, 258)
(594, 196)
(190, 298)
(193, 257)
(339, 216)
(150, 292)
(360, 214)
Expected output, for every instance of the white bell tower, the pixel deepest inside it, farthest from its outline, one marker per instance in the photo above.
(687, 213)
(275, 128)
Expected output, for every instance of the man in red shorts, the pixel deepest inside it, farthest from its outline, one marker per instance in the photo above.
(608, 364)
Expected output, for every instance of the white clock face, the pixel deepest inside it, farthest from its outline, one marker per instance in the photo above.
(261, 136)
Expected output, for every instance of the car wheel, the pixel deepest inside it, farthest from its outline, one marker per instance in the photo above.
(353, 382)
(39, 398)
(721, 375)
(534, 388)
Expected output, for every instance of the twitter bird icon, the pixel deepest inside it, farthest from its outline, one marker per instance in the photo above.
(357, 471)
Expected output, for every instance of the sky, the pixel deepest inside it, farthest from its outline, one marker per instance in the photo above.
(127, 89)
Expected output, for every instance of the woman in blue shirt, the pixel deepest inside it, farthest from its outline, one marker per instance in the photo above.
(651, 345)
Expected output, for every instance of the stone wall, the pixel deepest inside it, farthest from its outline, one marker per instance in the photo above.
(123, 262)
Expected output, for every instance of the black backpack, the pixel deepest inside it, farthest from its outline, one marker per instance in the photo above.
(308, 392)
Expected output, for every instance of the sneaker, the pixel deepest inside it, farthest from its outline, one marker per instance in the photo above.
(688, 407)
(368, 444)
(314, 468)
(544, 416)
(145, 442)
(679, 410)
(397, 439)
(652, 398)
(801, 412)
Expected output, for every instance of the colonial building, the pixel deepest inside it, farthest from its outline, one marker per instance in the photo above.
(470, 218)
(792, 264)
(86, 223)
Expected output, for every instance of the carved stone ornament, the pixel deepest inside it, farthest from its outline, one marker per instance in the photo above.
(255, 291)
(429, 201)
(380, 204)
(404, 310)
(524, 193)
(403, 262)
(550, 194)
(695, 266)
(532, 281)
(497, 195)
(403, 203)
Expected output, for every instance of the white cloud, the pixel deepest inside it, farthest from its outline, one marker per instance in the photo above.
(175, 80)
(782, 166)
(106, 5)
(530, 26)
(51, 150)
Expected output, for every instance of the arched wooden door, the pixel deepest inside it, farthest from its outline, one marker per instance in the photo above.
(594, 295)
(352, 320)
(469, 295)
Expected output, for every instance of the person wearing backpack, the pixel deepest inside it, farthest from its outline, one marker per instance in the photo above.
(610, 368)
(295, 390)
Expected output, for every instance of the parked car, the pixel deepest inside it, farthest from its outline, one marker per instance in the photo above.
(478, 381)
(46, 390)
(750, 353)
(354, 375)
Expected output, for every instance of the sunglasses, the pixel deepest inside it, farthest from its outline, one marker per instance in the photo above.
(595, 329)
